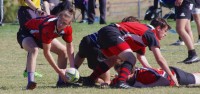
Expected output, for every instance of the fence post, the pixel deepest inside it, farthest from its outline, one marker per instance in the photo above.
(138, 9)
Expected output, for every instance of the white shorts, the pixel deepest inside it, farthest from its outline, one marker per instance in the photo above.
(196, 11)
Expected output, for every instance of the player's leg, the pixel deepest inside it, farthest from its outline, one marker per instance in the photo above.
(105, 77)
(126, 68)
(180, 27)
(197, 20)
(184, 78)
(184, 29)
(183, 16)
(116, 48)
(189, 30)
(196, 16)
(31, 47)
(197, 78)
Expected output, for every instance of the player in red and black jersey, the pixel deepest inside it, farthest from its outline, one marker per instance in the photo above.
(151, 77)
(119, 41)
(42, 33)
(89, 49)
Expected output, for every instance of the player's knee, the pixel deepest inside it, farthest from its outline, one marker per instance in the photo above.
(128, 55)
(34, 50)
(62, 52)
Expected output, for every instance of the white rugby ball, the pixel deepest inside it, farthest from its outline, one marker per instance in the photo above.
(72, 75)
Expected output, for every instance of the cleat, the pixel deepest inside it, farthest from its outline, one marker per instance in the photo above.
(178, 43)
(122, 85)
(191, 60)
(62, 84)
(31, 86)
(197, 43)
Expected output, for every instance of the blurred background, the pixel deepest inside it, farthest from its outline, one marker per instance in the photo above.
(116, 9)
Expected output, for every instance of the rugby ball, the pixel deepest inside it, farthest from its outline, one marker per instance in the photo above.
(72, 75)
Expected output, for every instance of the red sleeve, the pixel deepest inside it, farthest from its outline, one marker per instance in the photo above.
(33, 24)
(68, 34)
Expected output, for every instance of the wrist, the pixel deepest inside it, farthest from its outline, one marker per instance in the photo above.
(36, 10)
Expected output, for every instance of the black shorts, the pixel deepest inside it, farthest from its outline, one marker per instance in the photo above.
(111, 41)
(197, 3)
(21, 36)
(184, 78)
(109, 36)
(87, 49)
(185, 10)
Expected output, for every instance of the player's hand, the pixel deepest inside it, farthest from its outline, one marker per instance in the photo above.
(62, 74)
(175, 80)
(40, 12)
(178, 2)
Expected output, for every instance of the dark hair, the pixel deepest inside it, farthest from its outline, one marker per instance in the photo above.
(130, 19)
(160, 22)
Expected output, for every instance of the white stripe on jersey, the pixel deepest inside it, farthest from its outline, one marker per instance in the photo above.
(52, 19)
(134, 37)
(34, 31)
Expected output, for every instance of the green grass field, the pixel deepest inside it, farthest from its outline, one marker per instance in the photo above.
(13, 58)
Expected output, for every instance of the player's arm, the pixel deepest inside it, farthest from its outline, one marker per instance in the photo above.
(49, 57)
(178, 2)
(32, 6)
(163, 63)
(142, 59)
(70, 53)
(46, 6)
(78, 61)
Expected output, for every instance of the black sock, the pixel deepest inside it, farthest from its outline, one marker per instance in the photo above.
(100, 69)
(180, 38)
(125, 70)
(199, 37)
(192, 53)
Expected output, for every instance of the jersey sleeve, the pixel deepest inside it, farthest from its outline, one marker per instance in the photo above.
(151, 39)
(67, 37)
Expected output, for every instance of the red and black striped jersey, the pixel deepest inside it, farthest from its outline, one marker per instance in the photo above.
(138, 36)
(44, 29)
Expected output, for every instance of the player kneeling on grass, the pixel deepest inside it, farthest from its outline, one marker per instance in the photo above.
(43, 33)
(119, 41)
(151, 77)
(89, 49)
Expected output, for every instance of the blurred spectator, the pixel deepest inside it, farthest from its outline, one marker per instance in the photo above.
(196, 16)
(48, 5)
(83, 6)
(53, 7)
(91, 11)
(183, 11)
(1, 13)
